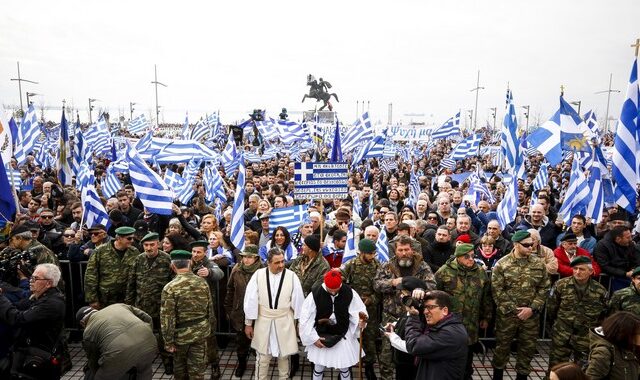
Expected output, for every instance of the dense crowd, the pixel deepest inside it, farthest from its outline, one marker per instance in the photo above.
(453, 275)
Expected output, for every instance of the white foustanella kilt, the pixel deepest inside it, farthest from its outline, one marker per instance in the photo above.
(344, 354)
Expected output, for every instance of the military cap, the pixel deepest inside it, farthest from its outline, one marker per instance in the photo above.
(199, 243)
(520, 236)
(366, 246)
(569, 236)
(124, 231)
(580, 260)
(635, 272)
(19, 229)
(410, 283)
(97, 227)
(83, 312)
(250, 250)
(179, 254)
(31, 225)
(463, 249)
(151, 236)
(620, 215)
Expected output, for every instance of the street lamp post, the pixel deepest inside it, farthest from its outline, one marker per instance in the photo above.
(91, 108)
(494, 111)
(156, 83)
(609, 91)
(577, 103)
(29, 96)
(526, 115)
(19, 79)
(475, 109)
(131, 104)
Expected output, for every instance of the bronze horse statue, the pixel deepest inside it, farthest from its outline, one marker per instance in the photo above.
(319, 91)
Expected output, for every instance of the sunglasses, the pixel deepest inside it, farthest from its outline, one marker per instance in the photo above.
(46, 216)
(527, 245)
(68, 235)
(96, 233)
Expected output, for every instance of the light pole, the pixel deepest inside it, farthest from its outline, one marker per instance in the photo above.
(577, 103)
(156, 83)
(29, 96)
(475, 109)
(19, 79)
(131, 104)
(494, 111)
(91, 108)
(609, 91)
(526, 115)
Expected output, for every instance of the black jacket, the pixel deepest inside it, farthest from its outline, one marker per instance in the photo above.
(441, 349)
(615, 260)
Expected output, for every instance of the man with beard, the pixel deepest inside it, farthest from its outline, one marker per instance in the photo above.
(438, 252)
(569, 250)
(537, 220)
(627, 299)
(405, 262)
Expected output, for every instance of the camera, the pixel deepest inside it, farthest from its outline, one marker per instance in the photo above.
(12, 260)
(409, 301)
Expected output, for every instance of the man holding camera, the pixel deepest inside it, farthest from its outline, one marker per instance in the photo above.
(405, 262)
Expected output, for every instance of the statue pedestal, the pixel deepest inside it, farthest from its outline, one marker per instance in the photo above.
(324, 117)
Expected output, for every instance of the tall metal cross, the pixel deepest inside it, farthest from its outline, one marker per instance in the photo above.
(155, 71)
(475, 110)
(20, 80)
(637, 46)
(609, 91)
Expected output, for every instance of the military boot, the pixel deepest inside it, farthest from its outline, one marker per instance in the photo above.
(168, 365)
(521, 377)
(369, 372)
(215, 371)
(242, 366)
(497, 373)
(295, 365)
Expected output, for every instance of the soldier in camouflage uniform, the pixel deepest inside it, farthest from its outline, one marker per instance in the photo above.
(105, 280)
(310, 268)
(209, 270)
(520, 285)
(184, 316)
(577, 304)
(150, 272)
(405, 262)
(359, 274)
(627, 299)
(470, 290)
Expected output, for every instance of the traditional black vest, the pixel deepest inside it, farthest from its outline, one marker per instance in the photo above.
(324, 308)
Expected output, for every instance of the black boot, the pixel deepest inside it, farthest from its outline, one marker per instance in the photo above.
(242, 366)
(521, 377)
(295, 365)
(168, 366)
(497, 373)
(369, 372)
(215, 372)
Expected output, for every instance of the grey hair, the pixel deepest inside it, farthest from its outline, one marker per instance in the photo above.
(24, 235)
(181, 263)
(51, 272)
(275, 251)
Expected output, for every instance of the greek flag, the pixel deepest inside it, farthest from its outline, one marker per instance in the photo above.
(213, 185)
(13, 176)
(389, 150)
(592, 123)
(291, 132)
(267, 129)
(414, 189)
(448, 163)
(336, 148)
(594, 209)
(387, 165)
(359, 132)
(154, 194)
(111, 184)
(479, 190)
(450, 128)
(542, 179)
(371, 205)
(625, 147)
(509, 140)
(350, 247)
(577, 196)
(138, 125)
(508, 206)
(78, 149)
(185, 133)
(288, 217)
(466, 148)
(173, 179)
(372, 149)
(93, 210)
(97, 138)
(357, 205)
(382, 246)
(200, 131)
(28, 134)
(237, 218)
(85, 176)
(229, 158)
(64, 154)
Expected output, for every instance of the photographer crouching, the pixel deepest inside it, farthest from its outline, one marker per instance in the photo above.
(439, 341)
(39, 323)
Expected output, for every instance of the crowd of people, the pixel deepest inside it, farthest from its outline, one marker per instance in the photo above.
(454, 275)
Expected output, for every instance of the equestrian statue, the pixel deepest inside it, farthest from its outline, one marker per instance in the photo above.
(319, 90)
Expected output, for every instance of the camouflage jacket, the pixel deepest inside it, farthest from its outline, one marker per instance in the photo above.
(392, 307)
(185, 310)
(41, 253)
(311, 274)
(470, 290)
(359, 276)
(145, 283)
(519, 282)
(572, 312)
(627, 299)
(105, 280)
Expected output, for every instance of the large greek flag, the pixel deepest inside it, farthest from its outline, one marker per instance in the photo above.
(138, 125)
(200, 131)
(93, 210)
(508, 206)
(111, 183)
(213, 185)
(509, 144)
(382, 246)
(237, 218)
(450, 128)
(267, 129)
(466, 148)
(577, 196)
(229, 158)
(374, 148)
(28, 133)
(288, 217)
(360, 132)
(154, 194)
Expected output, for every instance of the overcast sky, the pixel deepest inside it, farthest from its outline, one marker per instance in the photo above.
(233, 56)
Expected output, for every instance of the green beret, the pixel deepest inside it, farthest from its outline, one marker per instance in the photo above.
(123, 231)
(635, 272)
(199, 243)
(366, 246)
(250, 250)
(463, 249)
(580, 260)
(151, 236)
(179, 254)
(520, 236)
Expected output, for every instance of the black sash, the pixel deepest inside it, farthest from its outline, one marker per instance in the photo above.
(271, 306)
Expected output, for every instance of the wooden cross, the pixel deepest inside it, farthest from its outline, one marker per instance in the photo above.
(637, 45)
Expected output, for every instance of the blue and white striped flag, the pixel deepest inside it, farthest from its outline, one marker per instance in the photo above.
(229, 158)
(97, 138)
(508, 206)
(372, 149)
(448, 163)
(172, 179)
(13, 176)
(382, 246)
(577, 196)
(237, 218)
(291, 132)
(350, 247)
(389, 149)
(78, 149)
(591, 121)
(85, 176)
(213, 185)
(626, 147)
(138, 125)
(414, 189)
(111, 184)
(450, 128)
(361, 131)
(154, 194)
(466, 148)
(93, 210)
(267, 129)
(200, 131)
(509, 143)
(371, 205)
(542, 179)
(387, 165)
(357, 205)
(594, 209)
(479, 190)
(65, 173)
(186, 130)
(288, 217)
(28, 133)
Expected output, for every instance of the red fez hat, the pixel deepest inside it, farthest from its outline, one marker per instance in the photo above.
(333, 279)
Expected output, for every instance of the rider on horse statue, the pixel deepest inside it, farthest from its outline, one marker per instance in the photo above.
(319, 90)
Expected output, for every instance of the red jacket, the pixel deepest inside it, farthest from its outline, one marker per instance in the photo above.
(564, 267)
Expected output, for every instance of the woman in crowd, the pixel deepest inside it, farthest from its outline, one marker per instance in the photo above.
(174, 241)
(219, 250)
(282, 240)
(613, 347)
(487, 253)
(567, 371)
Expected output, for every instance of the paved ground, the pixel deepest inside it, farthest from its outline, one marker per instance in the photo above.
(228, 363)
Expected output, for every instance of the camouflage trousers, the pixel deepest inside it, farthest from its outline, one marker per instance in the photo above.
(508, 328)
(190, 361)
(369, 336)
(164, 354)
(386, 352)
(212, 344)
(565, 340)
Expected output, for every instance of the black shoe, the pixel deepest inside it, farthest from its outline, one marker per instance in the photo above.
(497, 373)
(242, 366)
(369, 372)
(295, 365)
(215, 372)
(521, 377)
(168, 367)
